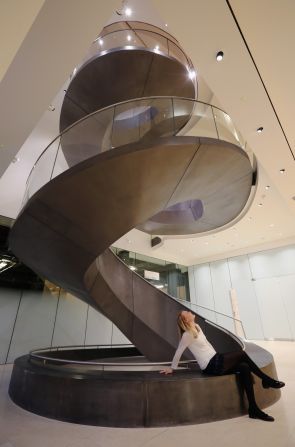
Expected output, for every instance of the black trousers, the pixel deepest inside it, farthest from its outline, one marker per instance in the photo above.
(238, 362)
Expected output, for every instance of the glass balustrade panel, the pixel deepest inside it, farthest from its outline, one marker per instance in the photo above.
(84, 140)
(225, 128)
(155, 118)
(153, 41)
(193, 119)
(176, 52)
(41, 173)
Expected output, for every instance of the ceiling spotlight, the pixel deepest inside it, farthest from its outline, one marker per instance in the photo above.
(128, 12)
(166, 24)
(100, 42)
(219, 56)
(259, 204)
(267, 187)
(260, 129)
(128, 37)
(15, 159)
(132, 267)
(282, 171)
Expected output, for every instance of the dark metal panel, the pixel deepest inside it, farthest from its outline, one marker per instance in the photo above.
(131, 399)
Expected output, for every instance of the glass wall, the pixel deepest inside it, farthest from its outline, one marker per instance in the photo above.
(35, 313)
(170, 277)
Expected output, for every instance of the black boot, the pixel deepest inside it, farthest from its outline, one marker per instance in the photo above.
(272, 383)
(259, 414)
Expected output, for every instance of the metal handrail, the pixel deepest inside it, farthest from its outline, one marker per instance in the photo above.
(207, 308)
(138, 21)
(34, 354)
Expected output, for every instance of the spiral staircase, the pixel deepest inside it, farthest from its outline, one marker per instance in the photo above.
(136, 150)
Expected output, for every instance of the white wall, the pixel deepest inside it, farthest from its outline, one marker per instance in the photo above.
(35, 319)
(264, 283)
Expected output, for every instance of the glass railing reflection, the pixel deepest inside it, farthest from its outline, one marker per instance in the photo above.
(128, 122)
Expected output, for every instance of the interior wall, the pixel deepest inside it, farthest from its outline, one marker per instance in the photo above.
(263, 284)
(37, 319)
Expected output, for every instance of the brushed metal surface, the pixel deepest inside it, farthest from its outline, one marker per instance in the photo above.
(133, 399)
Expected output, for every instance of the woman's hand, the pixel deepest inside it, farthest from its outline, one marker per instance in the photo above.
(166, 371)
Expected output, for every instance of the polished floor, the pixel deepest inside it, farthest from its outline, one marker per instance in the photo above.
(19, 428)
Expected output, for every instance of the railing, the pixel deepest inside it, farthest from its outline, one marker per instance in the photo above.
(136, 35)
(230, 324)
(129, 122)
(100, 365)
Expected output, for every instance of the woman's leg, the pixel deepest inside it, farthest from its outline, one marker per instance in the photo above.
(246, 378)
(231, 359)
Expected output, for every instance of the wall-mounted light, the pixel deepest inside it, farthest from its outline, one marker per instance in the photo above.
(3, 264)
(219, 56)
(259, 130)
(191, 74)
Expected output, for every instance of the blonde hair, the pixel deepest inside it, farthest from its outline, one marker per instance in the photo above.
(184, 326)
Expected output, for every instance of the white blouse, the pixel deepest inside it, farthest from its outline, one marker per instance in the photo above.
(201, 349)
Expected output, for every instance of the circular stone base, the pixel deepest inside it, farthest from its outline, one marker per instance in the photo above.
(131, 399)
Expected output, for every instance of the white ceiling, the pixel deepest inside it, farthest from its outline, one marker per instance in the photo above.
(254, 85)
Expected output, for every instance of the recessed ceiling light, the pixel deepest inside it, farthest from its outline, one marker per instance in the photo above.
(128, 37)
(166, 24)
(15, 159)
(128, 12)
(100, 42)
(129, 241)
(219, 56)
(282, 171)
(267, 187)
(132, 267)
(260, 204)
(260, 129)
